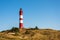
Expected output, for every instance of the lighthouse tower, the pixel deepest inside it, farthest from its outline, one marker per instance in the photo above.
(20, 19)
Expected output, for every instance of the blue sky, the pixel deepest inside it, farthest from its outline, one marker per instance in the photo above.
(41, 13)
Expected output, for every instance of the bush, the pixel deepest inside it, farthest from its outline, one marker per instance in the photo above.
(36, 27)
(14, 29)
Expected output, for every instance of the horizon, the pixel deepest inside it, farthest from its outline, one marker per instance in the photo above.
(41, 13)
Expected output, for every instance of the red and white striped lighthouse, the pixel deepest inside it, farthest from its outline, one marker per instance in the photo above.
(20, 18)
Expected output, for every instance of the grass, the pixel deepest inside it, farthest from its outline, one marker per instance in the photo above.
(30, 34)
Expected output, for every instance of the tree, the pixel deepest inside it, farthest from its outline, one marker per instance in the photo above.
(36, 27)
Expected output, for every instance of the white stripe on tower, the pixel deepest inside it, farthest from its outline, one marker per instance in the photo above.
(21, 18)
(21, 21)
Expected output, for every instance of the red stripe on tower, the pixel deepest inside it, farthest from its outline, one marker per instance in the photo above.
(20, 18)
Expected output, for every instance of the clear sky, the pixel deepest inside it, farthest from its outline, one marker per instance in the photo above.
(41, 13)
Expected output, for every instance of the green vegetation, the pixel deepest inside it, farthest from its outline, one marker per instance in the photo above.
(14, 29)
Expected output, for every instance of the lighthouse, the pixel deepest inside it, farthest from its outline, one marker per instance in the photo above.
(20, 18)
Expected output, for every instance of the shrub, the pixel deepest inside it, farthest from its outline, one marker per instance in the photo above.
(14, 29)
(36, 27)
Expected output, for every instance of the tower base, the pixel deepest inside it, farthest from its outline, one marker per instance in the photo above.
(22, 30)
